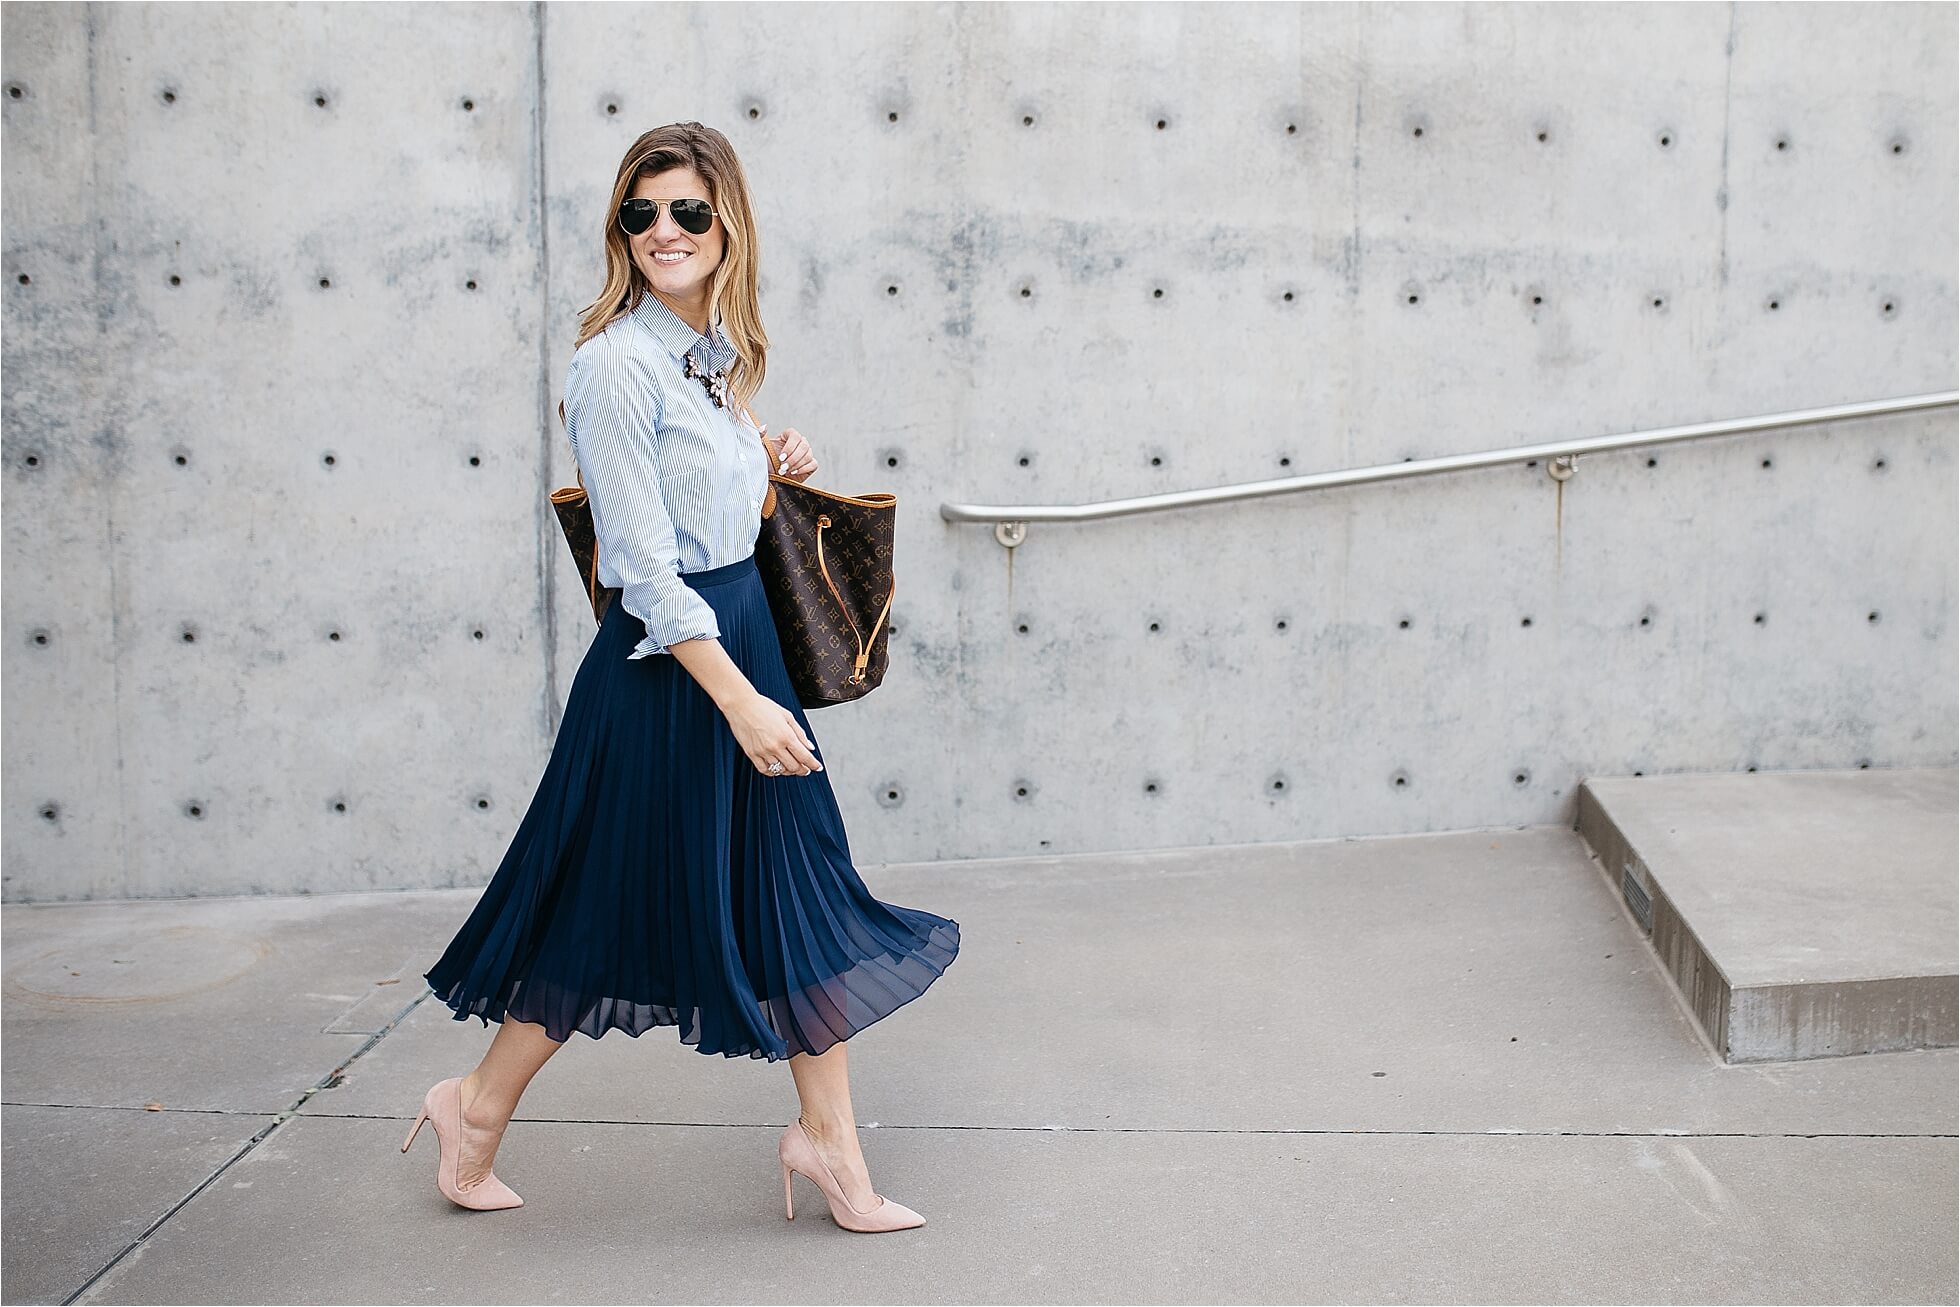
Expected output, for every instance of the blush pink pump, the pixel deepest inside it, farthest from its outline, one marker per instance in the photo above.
(442, 1107)
(798, 1152)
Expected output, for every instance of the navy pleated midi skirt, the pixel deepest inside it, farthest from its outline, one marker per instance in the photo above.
(660, 879)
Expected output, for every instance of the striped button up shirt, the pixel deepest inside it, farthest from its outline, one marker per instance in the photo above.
(675, 483)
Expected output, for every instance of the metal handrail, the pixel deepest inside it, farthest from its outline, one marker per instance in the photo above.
(1010, 520)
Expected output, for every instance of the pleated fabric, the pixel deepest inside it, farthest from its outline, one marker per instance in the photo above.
(659, 879)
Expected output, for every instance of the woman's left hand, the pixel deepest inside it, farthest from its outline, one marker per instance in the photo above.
(792, 457)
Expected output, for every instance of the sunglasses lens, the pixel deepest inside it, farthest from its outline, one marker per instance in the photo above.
(635, 216)
(694, 216)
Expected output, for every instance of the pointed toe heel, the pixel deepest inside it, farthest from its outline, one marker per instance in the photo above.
(798, 1153)
(442, 1107)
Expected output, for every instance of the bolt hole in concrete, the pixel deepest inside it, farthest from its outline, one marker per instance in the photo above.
(135, 969)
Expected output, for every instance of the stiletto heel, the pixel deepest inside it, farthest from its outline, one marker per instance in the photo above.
(416, 1129)
(798, 1152)
(442, 1107)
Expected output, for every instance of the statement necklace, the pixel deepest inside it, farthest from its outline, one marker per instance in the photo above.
(716, 382)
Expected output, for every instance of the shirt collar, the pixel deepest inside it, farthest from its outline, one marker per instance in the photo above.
(714, 350)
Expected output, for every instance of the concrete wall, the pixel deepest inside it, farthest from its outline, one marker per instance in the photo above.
(290, 292)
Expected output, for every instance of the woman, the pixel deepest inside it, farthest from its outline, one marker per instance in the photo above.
(683, 861)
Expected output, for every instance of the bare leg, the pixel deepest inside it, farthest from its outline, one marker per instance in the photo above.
(823, 1083)
(490, 1092)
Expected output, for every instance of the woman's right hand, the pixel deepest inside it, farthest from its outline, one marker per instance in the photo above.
(767, 732)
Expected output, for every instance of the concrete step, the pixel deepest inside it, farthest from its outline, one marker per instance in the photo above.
(1799, 914)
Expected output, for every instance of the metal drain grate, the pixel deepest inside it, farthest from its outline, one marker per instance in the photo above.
(1636, 896)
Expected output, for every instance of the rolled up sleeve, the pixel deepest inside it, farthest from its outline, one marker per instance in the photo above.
(612, 414)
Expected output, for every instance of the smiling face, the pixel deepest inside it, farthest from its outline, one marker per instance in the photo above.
(684, 282)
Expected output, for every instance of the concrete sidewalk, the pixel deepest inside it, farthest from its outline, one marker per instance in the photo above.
(1430, 1069)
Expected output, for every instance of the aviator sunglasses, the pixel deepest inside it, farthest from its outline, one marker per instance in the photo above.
(692, 216)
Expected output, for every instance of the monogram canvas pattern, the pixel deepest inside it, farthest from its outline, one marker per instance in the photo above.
(575, 516)
(824, 635)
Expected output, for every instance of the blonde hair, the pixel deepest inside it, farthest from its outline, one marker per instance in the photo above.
(732, 293)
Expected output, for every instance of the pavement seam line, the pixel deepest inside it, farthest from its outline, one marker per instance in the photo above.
(265, 1132)
(1062, 1129)
(1117, 1130)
